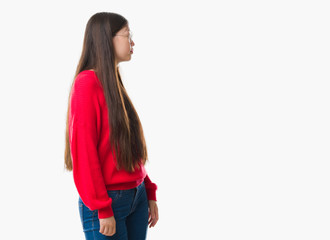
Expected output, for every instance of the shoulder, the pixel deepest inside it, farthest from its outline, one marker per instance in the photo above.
(86, 78)
(86, 86)
(87, 82)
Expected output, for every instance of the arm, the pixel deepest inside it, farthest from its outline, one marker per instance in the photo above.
(83, 132)
(150, 188)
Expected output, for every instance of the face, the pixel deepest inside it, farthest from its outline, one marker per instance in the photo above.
(122, 45)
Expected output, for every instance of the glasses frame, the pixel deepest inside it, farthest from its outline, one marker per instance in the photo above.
(130, 35)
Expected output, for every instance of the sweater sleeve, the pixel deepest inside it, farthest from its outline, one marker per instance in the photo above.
(87, 173)
(150, 188)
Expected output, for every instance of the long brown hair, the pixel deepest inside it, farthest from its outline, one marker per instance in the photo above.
(126, 133)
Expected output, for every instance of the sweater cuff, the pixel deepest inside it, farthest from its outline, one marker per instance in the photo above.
(151, 194)
(105, 212)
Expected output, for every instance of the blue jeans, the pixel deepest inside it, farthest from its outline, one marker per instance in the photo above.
(130, 208)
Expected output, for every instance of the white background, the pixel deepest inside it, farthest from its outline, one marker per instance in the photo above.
(233, 97)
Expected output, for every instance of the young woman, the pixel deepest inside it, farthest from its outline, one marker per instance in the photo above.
(105, 146)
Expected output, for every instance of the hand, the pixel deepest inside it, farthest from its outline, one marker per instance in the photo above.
(153, 213)
(108, 226)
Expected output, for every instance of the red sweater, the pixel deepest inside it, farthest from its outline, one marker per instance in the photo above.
(94, 170)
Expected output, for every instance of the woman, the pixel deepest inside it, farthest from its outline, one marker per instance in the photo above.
(105, 145)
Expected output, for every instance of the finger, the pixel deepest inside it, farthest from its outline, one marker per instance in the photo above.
(102, 229)
(157, 216)
(110, 232)
(149, 216)
(113, 230)
(106, 230)
(152, 222)
(156, 212)
(152, 215)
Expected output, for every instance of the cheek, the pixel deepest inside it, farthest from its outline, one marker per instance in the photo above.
(121, 49)
(125, 49)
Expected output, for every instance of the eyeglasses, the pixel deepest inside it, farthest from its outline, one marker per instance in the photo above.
(130, 35)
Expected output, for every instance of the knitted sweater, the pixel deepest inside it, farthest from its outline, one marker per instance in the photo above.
(94, 163)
